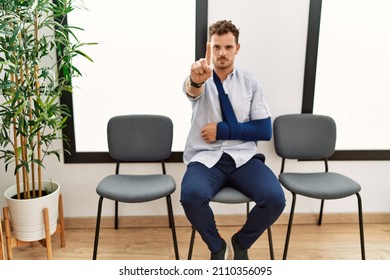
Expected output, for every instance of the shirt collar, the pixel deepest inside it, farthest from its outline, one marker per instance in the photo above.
(231, 75)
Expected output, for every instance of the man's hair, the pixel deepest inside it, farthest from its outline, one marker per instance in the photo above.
(223, 27)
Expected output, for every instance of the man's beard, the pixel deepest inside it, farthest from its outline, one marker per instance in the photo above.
(225, 65)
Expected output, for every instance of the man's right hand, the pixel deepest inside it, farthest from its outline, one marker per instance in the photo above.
(201, 69)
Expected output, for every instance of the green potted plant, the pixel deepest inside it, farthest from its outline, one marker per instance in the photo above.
(35, 46)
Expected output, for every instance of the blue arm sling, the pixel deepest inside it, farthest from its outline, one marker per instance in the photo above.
(231, 129)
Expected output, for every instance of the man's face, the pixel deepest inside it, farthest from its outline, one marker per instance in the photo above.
(224, 49)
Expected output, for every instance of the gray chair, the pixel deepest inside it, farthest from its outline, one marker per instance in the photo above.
(230, 195)
(138, 138)
(305, 137)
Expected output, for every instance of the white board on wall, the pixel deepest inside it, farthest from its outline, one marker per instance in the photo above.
(144, 52)
(352, 77)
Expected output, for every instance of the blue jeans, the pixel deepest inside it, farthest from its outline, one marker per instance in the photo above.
(254, 179)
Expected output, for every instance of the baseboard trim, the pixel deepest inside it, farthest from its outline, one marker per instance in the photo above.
(223, 220)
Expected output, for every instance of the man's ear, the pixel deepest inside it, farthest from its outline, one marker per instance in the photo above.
(238, 48)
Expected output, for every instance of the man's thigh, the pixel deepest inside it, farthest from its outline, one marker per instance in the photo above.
(256, 180)
(201, 181)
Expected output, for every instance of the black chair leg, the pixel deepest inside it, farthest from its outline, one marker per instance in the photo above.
(271, 246)
(172, 225)
(289, 227)
(116, 214)
(192, 241)
(321, 211)
(361, 226)
(97, 230)
(168, 209)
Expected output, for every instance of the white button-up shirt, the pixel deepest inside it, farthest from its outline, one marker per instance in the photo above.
(248, 102)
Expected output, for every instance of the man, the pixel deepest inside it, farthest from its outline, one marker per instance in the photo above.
(221, 146)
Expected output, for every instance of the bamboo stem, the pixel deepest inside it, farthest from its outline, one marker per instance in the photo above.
(26, 184)
(37, 88)
(16, 152)
(30, 109)
(23, 142)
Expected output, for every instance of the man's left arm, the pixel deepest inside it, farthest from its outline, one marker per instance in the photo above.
(254, 130)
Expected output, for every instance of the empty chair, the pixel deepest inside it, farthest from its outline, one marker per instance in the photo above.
(230, 195)
(312, 137)
(138, 138)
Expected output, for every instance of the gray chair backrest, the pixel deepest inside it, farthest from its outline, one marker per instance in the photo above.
(304, 136)
(140, 137)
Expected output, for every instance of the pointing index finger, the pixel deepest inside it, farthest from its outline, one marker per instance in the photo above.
(208, 54)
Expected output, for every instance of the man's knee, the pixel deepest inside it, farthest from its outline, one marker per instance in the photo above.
(278, 202)
(191, 198)
(274, 203)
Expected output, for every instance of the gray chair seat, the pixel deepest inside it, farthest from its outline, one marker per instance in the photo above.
(136, 188)
(230, 196)
(321, 185)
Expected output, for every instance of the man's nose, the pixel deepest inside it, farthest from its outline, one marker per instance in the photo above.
(222, 52)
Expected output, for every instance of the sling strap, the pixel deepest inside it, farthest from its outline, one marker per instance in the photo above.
(228, 114)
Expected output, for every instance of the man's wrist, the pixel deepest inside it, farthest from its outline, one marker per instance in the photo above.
(223, 131)
(194, 84)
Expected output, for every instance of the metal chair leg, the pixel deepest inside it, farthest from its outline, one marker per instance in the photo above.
(289, 227)
(270, 243)
(361, 226)
(169, 221)
(98, 218)
(116, 215)
(192, 241)
(172, 225)
(321, 211)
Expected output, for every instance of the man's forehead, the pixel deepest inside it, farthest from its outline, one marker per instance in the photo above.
(225, 39)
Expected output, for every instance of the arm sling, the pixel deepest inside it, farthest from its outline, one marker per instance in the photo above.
(231, 129)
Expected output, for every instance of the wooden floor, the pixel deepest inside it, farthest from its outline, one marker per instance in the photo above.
(308, 242)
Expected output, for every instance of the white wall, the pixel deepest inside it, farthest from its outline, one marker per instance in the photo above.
(273, 40)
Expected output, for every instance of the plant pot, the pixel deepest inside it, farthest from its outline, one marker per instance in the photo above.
(26, 215)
